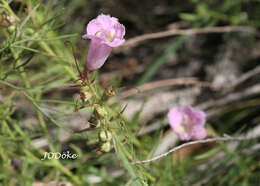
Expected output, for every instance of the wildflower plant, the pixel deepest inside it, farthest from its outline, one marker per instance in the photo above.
(105, 32)
(59, 123)
(33, 35)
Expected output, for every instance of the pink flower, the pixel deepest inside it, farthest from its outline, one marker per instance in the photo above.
(188, 123)
(105, 32)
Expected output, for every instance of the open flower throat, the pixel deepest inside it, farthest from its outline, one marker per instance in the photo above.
(186, 126)
(103, 35)
(105, 32)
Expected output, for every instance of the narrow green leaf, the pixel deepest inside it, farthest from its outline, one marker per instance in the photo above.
(28, 17)
(125, 161)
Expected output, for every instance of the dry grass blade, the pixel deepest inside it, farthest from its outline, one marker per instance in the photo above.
(164, 83)
(225, 138)
(218, 29)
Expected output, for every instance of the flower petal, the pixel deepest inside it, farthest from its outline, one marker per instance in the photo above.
(198, 117)
(97, 54)
(116, 42)
(93, 27)
(107, 21)
(175, 117)
(198, 133)
(119, 31)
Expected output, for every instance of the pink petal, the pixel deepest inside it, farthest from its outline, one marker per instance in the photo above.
(116, 42)
(107, 21)
(87, 36)
(198, 117)
(175, 117)
(119, 31)
(198, 133)
(184, 136)
(97, 54)
(93, 27)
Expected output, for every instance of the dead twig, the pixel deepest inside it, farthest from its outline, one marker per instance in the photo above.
(231, 97)
(225, 138)
(164, 83)
(246, 76)
(136, 40)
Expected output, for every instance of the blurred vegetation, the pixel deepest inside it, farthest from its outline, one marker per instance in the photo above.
(37, 90)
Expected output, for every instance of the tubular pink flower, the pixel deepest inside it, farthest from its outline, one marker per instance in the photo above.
(188, 123)
(105, 32)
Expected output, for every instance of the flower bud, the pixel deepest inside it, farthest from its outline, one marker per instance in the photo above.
(106, 147)
(105, 136)
(3, 21)
(10, 18)
(6, 20)
(11, 29)
(109, 92)
(85, 95)
(100, 111)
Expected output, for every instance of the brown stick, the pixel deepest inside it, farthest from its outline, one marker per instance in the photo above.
(136, 40)
(225, 138)
(164, 83)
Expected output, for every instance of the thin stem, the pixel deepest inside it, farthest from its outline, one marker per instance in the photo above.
(225, 138)
(218, 29)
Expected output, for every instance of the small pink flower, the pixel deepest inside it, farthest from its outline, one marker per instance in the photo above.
(105, 32)
(188, 123)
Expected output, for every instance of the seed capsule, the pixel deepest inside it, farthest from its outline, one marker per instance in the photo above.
(106, 147)
(85, 95)
(100, 111)
(104, 136)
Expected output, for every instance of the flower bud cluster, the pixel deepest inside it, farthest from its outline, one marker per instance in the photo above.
(104, 135)
(100, 111)
(105, 138)
(104, 32)
(100, 116)
(8, 21)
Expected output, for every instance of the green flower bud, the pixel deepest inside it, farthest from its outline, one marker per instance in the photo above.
(11, 29)
(104, 136)
(100, 111)
(106, 147)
